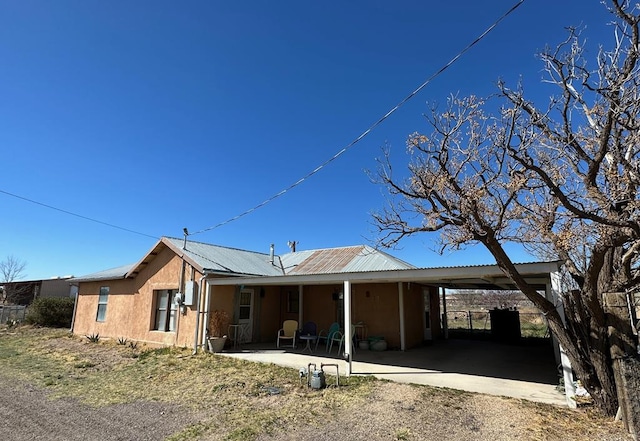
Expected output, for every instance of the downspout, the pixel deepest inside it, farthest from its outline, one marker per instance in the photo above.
(197, 327)
(75, 307)
(207, 301)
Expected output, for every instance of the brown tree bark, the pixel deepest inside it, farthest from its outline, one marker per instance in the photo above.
(626, 362)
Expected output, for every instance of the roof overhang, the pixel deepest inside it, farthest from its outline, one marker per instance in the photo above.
(462, 277)
(157, 248)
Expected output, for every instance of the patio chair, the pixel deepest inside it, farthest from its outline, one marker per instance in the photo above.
(354, 339)
(326, 336)
(288, 332)
(337, 337)
(309, 328)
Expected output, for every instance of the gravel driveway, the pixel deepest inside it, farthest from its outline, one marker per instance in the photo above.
(26, 413)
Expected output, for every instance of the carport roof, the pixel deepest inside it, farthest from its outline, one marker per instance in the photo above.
(460, 277)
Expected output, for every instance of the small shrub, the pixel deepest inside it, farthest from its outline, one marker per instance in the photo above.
(53, 312)
(93, 338)
(133, 345)
(122, 341)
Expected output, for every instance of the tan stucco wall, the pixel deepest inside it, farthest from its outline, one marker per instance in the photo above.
(376, 305)
(269, 314)
(131, 308)
(221, 298)
(319, 305)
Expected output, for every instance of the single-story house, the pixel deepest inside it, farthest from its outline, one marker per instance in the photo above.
(23, 292)
(170, 295)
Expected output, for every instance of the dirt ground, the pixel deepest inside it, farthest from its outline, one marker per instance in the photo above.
(393, 411)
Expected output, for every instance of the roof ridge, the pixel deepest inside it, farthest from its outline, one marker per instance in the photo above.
(216, 245)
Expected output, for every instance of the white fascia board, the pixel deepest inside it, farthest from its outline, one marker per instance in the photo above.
(539, 271)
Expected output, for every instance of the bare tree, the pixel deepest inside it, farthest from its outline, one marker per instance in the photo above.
(561, 179)
(12, 270)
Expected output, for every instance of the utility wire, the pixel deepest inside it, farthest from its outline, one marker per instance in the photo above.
(76, 214)
(313, 172)
(368, 130)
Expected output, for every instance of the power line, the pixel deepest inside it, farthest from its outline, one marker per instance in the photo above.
(313, 172)
(76, 214)
(368, 130)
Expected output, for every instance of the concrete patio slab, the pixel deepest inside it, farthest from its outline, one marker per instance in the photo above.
(520, 371)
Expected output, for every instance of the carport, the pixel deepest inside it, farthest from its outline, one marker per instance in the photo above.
(543, 275)
(475, 366)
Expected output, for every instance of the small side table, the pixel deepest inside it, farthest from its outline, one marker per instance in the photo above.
(233, 330)
(308, 338)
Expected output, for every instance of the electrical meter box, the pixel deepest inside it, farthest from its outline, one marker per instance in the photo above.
(190, 291)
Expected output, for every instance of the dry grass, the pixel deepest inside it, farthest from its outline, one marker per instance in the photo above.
(240, 400)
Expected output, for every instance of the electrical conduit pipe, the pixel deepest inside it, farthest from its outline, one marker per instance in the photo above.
(197, 327)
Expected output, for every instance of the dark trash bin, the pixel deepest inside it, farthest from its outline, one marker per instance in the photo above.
(505, 325)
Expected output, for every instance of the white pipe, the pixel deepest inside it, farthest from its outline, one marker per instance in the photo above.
(348, 343)
(401, 308)
(197, 328)
(75, 307)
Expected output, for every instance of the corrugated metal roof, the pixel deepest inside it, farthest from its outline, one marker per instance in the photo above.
(110, 274)
(359, 258)
(236, 262)
(229, 260)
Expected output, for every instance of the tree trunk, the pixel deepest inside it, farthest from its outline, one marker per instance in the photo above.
(626, 363)
(591, 365)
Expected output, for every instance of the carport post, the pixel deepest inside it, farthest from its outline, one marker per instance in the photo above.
(401, 310)
(445, 323)
(300, 308)
(553, 294)
(347, 325)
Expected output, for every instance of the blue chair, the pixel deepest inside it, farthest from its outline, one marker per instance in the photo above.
(327, 336)
(309, 328)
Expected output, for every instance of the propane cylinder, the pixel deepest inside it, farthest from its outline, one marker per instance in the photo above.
(317, 379)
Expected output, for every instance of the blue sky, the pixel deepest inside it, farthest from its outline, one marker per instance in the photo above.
(159, 115)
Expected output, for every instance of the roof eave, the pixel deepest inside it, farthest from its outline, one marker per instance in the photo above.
(491, 275)
(153, 252)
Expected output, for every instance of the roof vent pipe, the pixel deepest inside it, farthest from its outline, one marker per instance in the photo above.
(271, 253)
(186, 233)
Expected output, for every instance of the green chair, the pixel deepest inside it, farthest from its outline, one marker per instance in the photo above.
(327, 336)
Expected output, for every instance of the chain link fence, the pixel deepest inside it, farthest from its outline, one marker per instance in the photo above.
(532, 324)
(15, 313)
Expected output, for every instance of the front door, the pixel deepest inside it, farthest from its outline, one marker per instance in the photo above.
(427, 314)
(245, 315)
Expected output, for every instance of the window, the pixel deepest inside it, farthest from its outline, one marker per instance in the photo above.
(292, 302)
(246, 301)
(101, 315)
(166, 310)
